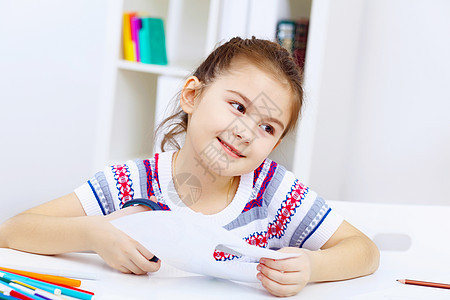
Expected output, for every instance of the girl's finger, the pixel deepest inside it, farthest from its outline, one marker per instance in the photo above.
(277, 289)
(122, 269)
(149, 256)
(144, 251)
(145, 264)
(142, 260)
(286, 265)
(130, 265)
(280, 277)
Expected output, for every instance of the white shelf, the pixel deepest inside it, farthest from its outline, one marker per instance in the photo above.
(153, 69)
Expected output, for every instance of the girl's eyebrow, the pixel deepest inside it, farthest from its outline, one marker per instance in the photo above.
(248, 102)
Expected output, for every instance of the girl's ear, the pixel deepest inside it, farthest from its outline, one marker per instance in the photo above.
(189, 93)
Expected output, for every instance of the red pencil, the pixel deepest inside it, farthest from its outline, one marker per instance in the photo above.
(425, 283)
(14, 293)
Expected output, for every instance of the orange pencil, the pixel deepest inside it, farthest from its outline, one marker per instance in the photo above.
(425, 283)
(48, 278)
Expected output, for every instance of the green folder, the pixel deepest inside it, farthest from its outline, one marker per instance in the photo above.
(152, 42)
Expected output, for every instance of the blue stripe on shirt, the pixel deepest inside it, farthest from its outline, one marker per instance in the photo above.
(314, 230)
(96, 197)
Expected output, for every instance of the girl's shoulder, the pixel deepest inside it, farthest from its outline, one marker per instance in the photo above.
(275, 186)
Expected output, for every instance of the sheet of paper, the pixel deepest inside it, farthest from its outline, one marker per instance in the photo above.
(188, 242)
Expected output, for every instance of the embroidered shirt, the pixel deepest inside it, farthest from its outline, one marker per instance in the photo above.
(271, 208)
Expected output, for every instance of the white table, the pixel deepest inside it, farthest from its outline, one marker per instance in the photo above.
(170, 283)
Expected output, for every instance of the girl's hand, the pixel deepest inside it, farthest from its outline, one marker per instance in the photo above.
(285, 277)
(117, 249)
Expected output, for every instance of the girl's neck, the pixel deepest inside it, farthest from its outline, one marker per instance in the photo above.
(198, 186)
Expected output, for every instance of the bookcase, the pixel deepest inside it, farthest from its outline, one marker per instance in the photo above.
(135, 96)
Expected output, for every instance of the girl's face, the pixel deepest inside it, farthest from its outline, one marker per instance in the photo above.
(245, 108)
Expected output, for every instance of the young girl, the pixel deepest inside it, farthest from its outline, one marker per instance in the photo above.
(234, 111)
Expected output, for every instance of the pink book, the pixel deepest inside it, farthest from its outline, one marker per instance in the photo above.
(135, 23)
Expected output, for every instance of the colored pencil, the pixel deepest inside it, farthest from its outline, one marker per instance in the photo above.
(57, 290)
(62, 273)
(425, 283)
(51, 288)
(6, 286)
(34, 294)
(6, 297)
(33, 291)
(45, 277)
(72, 288)
(58, 284)
(9, 291)
(35, 283)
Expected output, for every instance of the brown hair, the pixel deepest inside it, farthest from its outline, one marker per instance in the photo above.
(264, 54)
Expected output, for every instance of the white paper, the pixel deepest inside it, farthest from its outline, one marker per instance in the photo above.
(188, 242)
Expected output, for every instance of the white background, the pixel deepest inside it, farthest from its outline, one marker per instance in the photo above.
(383, 131)
(50, 79)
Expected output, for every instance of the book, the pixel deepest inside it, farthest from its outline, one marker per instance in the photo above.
(286, 35)
(152, 41)
(301, 38)
(128, 46)
(293, 36)
(135, 25)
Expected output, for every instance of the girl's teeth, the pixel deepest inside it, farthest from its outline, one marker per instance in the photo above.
(230, 149)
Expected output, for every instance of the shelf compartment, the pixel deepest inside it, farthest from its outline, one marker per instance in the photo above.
(133, 119)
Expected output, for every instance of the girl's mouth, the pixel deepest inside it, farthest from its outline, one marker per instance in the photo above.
(230, 149)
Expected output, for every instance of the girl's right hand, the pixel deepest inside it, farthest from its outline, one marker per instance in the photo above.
(116, 248)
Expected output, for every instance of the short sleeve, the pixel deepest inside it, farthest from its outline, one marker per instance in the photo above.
(108, 190)
(300, 217)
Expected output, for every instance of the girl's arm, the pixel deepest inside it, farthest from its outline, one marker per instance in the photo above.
(347, 254)
(57, 226)
(61, 226)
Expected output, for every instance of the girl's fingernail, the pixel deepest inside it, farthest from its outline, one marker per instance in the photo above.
(259, 276)
(258, 268)
(154, 259)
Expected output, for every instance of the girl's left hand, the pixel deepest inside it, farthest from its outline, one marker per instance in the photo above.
(285, 277)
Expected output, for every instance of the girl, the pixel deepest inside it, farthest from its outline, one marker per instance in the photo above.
(235, 109)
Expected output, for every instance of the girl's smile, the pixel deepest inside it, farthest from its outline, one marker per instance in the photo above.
(233, 152)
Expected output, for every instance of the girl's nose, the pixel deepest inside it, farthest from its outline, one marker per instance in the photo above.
(243, 130)
(244, 137)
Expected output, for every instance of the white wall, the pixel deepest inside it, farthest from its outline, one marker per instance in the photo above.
(383, 131)
(50, 79)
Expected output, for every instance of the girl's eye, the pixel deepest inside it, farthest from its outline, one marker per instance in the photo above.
(242, 110)
(269, 129)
